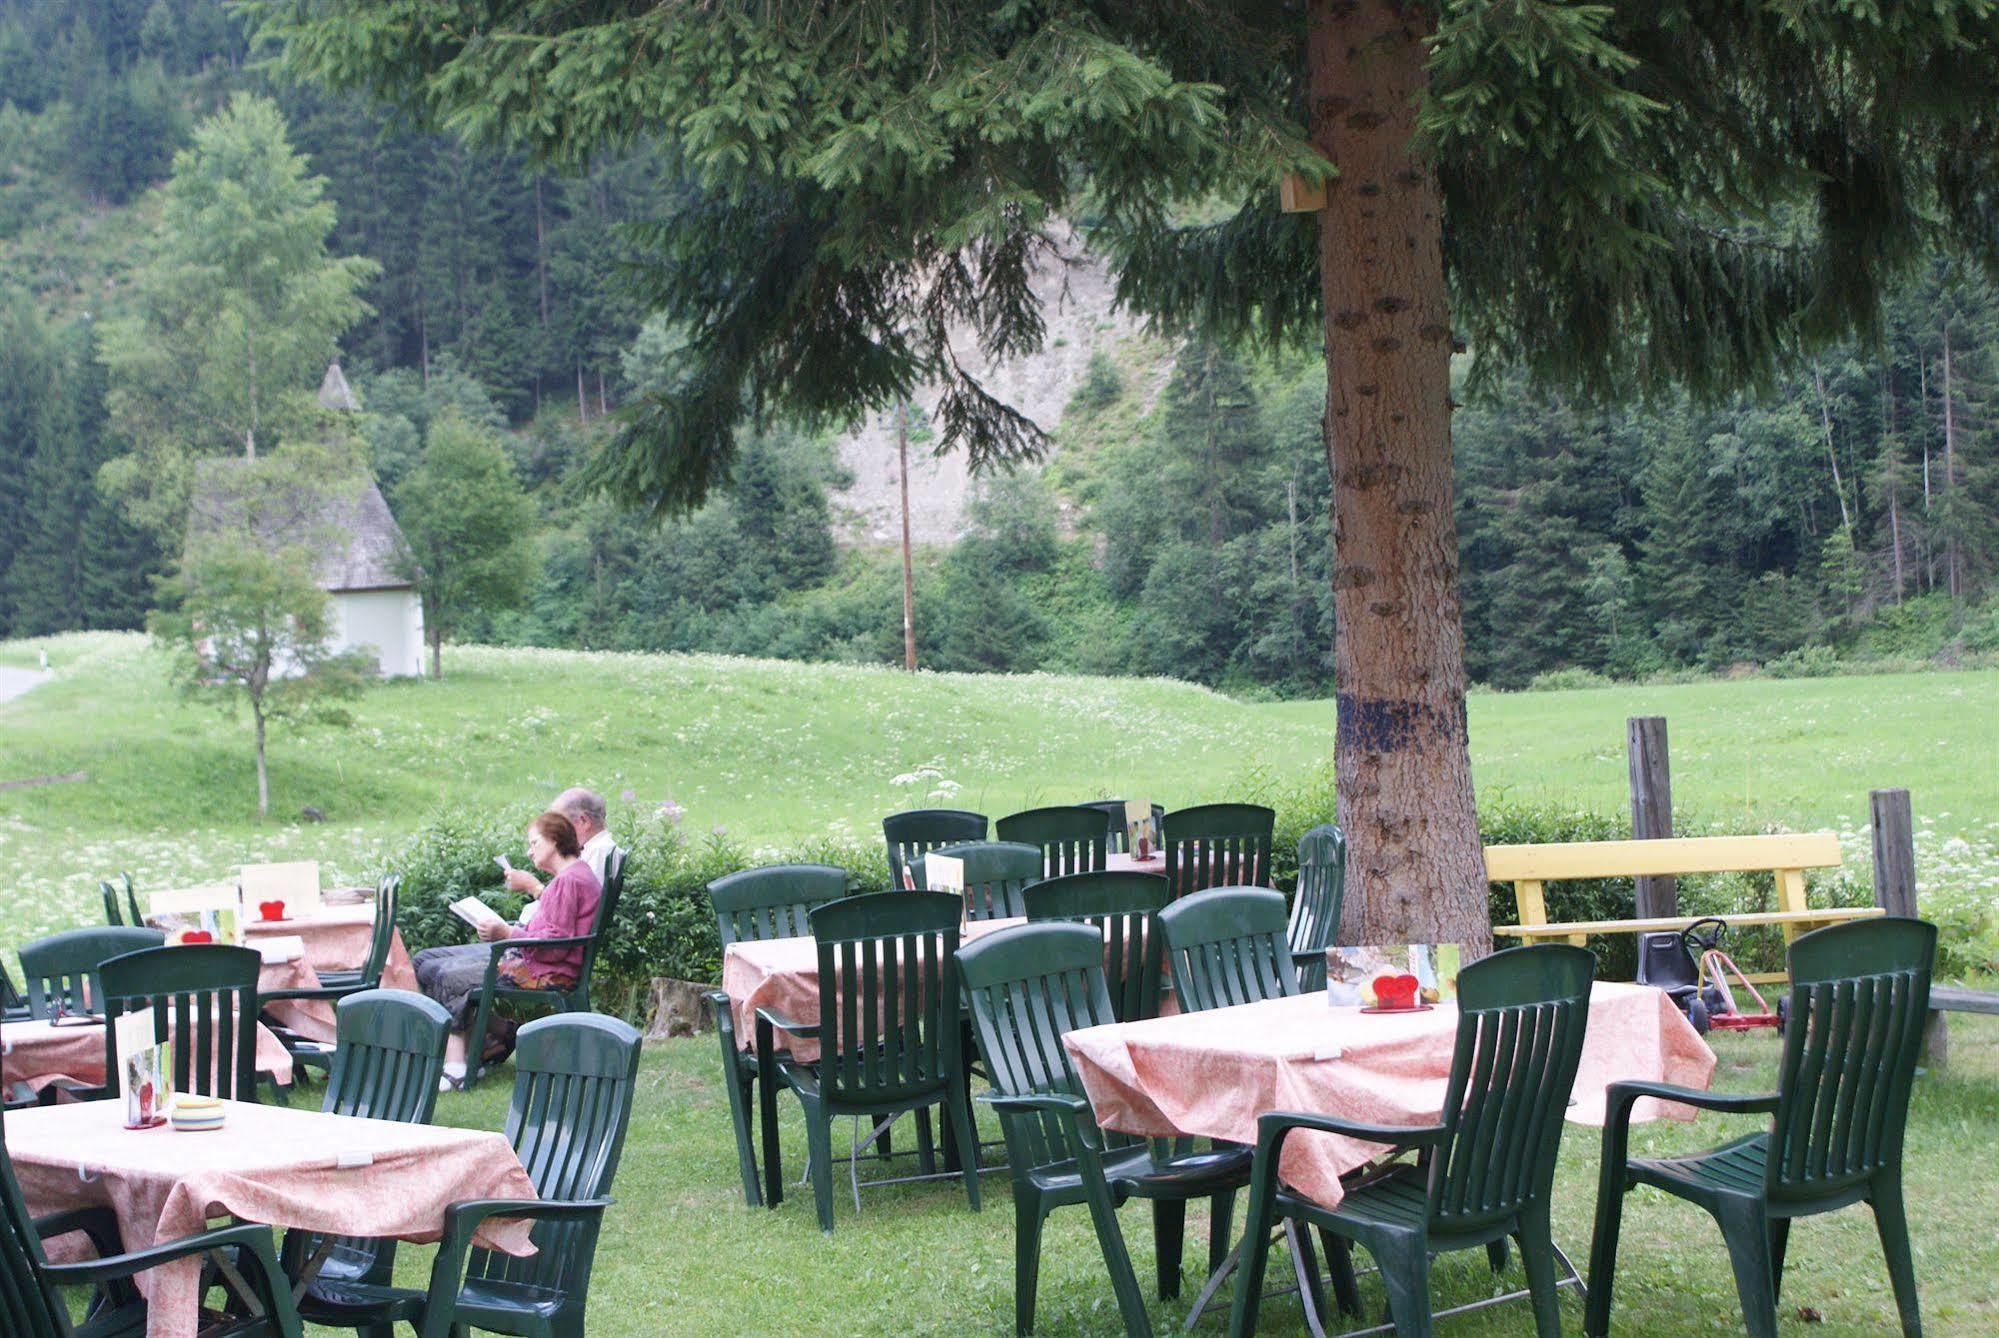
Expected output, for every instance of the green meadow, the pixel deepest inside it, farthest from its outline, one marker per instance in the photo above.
(773, 752)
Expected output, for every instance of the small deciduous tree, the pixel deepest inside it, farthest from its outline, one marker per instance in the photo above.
(470, 528)
(243, 614)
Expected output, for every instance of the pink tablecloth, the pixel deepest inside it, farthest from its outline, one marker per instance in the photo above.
(39, 1053)
(782, 974)
(286, 1168)
(337, 939)
(1211, 1074)
(1118, 861)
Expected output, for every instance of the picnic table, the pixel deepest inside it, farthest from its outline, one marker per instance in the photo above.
(335, 1174)
(1210, 1074)
(39, 1052)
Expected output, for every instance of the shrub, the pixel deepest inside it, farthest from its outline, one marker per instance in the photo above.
(1564, 680)
(1805, 662)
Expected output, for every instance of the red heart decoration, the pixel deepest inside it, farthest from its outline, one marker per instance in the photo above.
(1395, 991)
(271, 910)
(197, 936)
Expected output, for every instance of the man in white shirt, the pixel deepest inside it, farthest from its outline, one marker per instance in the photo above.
(585, 811)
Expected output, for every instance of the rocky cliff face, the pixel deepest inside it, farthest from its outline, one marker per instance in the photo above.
(1076, 298)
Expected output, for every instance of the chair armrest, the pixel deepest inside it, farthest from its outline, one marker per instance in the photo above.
(253, 1239)
(97, 1222)
(320, 993)
(501, 945)
(1272, 1127)
(1619, 1096)
(1085, 1140)
(783, 1023)
(462, 1219)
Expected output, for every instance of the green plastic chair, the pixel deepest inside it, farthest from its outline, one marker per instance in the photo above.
(337, 985)
(575, 999)
(1485, 1170)
(1072, 839)
(203, 995)
(13, 1003)
(574, 1077)
(996, 872)
(756, 904)
(911, 834)
(386, 1062)
(1226, 946)
(1859, 1001)
(1027, 986)
(1316, 903)
(31, 1300)
(1217, 845)
(889, 1030)
(61, 970)
(112, 915)
(1120, 904)
(1119, 841)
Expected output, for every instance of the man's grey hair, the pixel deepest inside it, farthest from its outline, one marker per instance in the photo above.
(578, 802)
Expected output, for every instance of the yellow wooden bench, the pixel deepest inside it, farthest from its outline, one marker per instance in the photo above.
(1531, 868)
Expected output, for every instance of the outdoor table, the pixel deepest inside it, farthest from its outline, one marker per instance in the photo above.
(1120, 861)
(334, 1174)
(782, 974)
(1210, 1074)
(38, 1052)
(337, 938)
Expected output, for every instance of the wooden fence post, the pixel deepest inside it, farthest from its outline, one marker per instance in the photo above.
(1651, 806)
(1895, 890)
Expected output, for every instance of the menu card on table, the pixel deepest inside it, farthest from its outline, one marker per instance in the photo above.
(295, 884)
(1138, 827)
(1352, 972)
(211, 914)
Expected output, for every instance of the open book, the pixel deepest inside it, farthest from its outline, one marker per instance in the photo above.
(475, 912)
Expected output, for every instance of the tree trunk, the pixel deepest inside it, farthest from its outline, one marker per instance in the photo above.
(908, 578)
(1950, 555)
(263, 778)
(1404, 769)
(436, 635)
(1831, 452)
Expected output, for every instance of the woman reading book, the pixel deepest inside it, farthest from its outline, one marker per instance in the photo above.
(568, 908)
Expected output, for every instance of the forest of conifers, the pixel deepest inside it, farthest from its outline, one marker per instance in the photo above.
(1850, 511)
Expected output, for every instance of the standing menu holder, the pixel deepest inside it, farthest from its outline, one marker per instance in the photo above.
(1138, 827)
(295, 884)
(145, 1076)
(211, 914)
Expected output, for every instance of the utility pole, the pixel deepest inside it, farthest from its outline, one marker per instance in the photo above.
(908, 582)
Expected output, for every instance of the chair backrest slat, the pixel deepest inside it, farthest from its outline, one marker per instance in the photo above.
(996, 874)
(1522, 1015)
(1859, 1000)
(1225, 946)
(1316, 903)
(1073, 839)
(773, 901)
(61, 969)
(387, 894)
(920, 830)
(1217, 845)
(888, 987)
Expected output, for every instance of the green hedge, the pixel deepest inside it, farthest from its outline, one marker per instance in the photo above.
(665, 926)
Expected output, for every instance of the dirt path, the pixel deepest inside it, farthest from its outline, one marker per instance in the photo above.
(14, 682)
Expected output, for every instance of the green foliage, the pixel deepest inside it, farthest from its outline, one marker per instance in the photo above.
(1102, 383)
(237, 308)
(469, 527)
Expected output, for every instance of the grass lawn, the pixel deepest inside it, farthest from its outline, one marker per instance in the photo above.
(775, 751)
(683, 1255)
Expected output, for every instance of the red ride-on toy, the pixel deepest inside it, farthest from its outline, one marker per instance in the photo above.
(1693, 970)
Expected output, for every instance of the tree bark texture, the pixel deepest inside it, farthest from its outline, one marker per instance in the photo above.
(1416, 870)
(908, 576)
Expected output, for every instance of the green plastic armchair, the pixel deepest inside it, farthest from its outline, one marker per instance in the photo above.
(1316, 903)
(1217, 845)
(1859, 1001)
(755, 904)
(574, 1078)
(61, 970)
(1027, 986)
(1225, 946)
(574, 999)
(129, 917)
(202, 995)
(1073, 839)
(996, 872)
(911, 834)
(1120, 905)
(337, 985)
(889, 1032)
(1485, 1170)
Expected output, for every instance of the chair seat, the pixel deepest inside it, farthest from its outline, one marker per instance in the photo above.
(117, 1323)
(804, 1079)
(1399, 1201)
(1131, 1171)
(345, 1304)
(1733, 1169)
(509, 1307)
